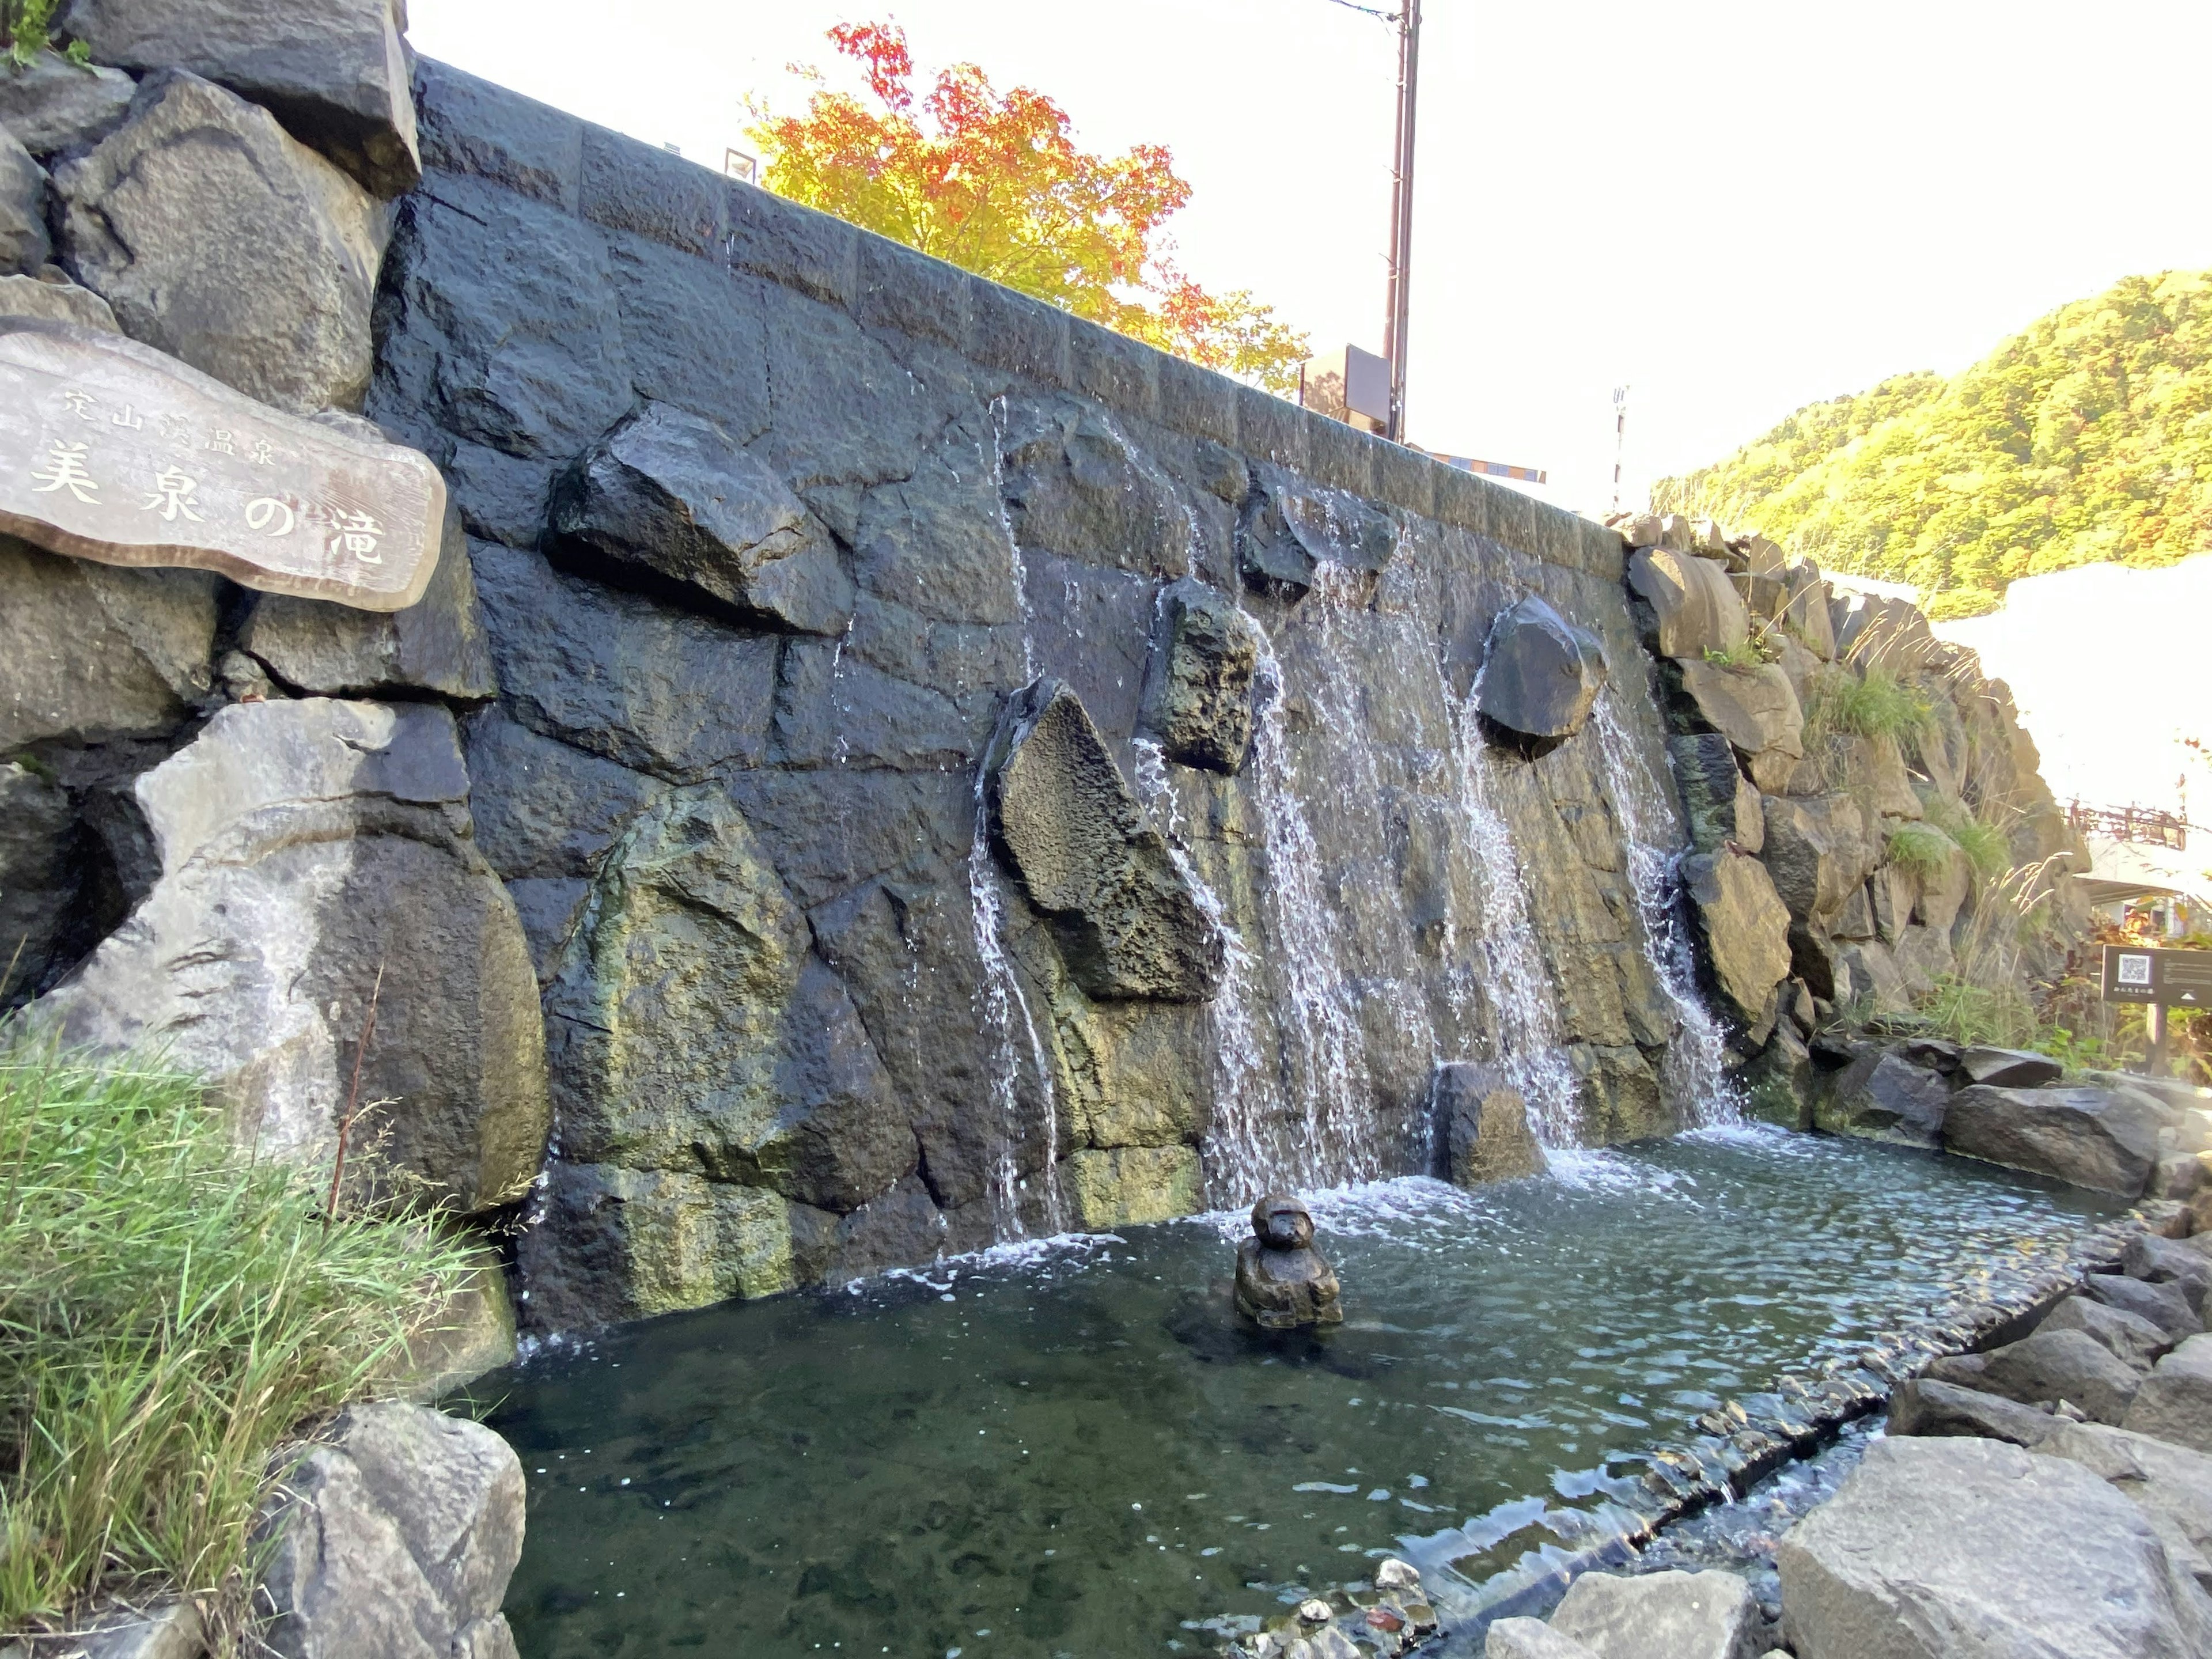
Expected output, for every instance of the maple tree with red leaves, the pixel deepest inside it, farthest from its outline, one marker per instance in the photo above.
(994, 183)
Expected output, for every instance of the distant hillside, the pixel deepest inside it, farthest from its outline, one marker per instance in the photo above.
(2087, 437)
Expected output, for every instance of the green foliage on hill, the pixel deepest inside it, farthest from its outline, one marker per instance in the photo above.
(2086, 438)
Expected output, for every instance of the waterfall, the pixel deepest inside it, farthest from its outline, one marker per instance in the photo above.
(1692, 1075)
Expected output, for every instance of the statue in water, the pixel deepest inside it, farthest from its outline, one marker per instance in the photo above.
(1282, 1282)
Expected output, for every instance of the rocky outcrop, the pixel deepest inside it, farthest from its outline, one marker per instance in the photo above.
(394, 1539)
(1540, 674)
(1756, 710)
(1724, 806)
(52, 105)
(222, 242)
(1745, 927)
(1483, 1126)
(2102, 1139)
(2170, 1484)
(1928, 1405)
(24, 243)
(2129, 1337)
(1290, 527)
(2174, 1403)
(1694, 608)
(2045, 1367)
(1198, 698)
(1086, 856)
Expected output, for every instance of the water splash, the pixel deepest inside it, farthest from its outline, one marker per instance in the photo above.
(1693, 1076)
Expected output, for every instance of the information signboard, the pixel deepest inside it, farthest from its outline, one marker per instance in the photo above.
(2165, 979)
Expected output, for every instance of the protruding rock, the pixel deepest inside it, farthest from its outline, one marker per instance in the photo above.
(1778, 1084)
(1936, 1547)
(1925, 1406)
(1198, 694)
(1291, 528)
(1483, 1126)
(224, 242)
(1541, 674)
(2162, 1261)
(2127, 1336)
(1883, 1096)
(1806, 613)
(2175, 1401)
(2045, 1367)
(1817, 852)
(1697, 608)
(2105, 1139)
(1087, 857)
(668, 502)
(51, 104)
(45, 301)
(335, 73)
(1530, 1638)
(398, 1537)
(24, 243)
(1756, 710)
(1683, 1615)
(1745, 927)
(1282, 1282)
(2009, 1068)
(2162, 1306)
(2170, 1485)
(1721, 805)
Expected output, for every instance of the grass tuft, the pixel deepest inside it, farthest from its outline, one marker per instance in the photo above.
(1920, 849)
(1984, 844)
(170, 1312)
(1873, 703)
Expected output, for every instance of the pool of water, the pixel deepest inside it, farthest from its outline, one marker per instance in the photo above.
(1073, 1450)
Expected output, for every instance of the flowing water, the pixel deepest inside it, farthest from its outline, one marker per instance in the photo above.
(1073, 1448)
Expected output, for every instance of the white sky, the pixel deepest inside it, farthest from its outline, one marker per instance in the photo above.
(1735, 208)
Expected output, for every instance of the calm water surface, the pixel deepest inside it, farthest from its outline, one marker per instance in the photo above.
(1074, 1450)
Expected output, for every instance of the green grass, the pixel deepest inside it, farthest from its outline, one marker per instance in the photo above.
(29, 25)
(1920, 849)
(170, 1312)
(1873, 703)
(1984, 844)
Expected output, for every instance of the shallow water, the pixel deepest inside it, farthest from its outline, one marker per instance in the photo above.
(1073, 1450)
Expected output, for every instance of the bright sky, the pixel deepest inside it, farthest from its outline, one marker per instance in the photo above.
(1736, 208)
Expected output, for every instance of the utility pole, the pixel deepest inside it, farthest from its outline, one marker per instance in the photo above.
(1619, 438)
(1401, 215)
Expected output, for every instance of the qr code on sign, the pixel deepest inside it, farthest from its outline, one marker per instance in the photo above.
(2135, 970)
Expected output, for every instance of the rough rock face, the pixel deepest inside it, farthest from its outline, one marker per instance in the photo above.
(1721, 805)
(1756, 710)
(1483, 1126)
(2174, 1403)
(2160, 1305)
(1206, 654)
(1928, 1405)
(1817, 853)
(1129, 1186)
(1884, 1096)
(1541, 674)
(1936, 1547)
(2128, 1336)
(1291, 528)
(1530, 1638)
(1685, 1615)
(2170, 1484)
(43, 301)
(2009, 1068)
(299, 847)
(2045, 1367)
(38, 879)
(2102, 1138)
(24, 243)
(335, 73)
(667, 499)
(222, 242)
(1697, 609)
(1089, 860)
(1745, 927)
(396, 1541)
(52, 104)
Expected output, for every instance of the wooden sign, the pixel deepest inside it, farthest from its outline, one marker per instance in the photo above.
(110, 450)
(2165, 979)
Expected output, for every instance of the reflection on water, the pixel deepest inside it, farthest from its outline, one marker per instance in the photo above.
(1073, 1448)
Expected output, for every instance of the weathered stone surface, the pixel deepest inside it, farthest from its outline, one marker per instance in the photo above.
(2162, 1305)
(2128, 1336)
(38, 876)
(1698, 610)
(2009, 1068)
(1778, 1084)
(1129, 1186)
(667, 501)
(2170, 1485)
(1755, 709)
(2162, 1261)
(169, 1632)
(1817, 852)
(1805, 614)
(1887, 1099)
(90, 652)
(396, 1540)
(1745, 925)
(473, 1333)
(1090, 860)
(25, 245)
(1074, 486)
(1291, 528)
(52, 104)
(438, 644)
(1540, 674)
(1721, 805)
(304, 846)
(1662, 1615)
(42, 302)
(2045, 1367)
(335, 73)
(2174, 1403)
(1939, 1547)
(1530, 1638)
(219, 239)
(1483, 1126)
(1928, 1405)
(1198, 691)
(2102, 1138)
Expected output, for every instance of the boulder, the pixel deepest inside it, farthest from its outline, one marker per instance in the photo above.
(667, 502)
(1872, 630)
(51, 104)
(1745, 925)
(2127, 1336)
(1530, 1638)
(2045, 1367)
(1816, 851)
(335, 73)
(1291, 528)
(1482, 1124)
(437, 645)
(168, 1631)
(1928, 1405)
(1087, 857)
(2162, 1305)
(1806, 613)
(1721, 805)
(2105, 1139)
(395, 1540)
(1779, 1082)
(303, 849)
(2162, 1261)
(25, 245)
(1662, 1615)
(2170, 1485)
(2009, 1068)
(2174, 1403)
(1882, 1096)
(41, 301)
(1756, 710)
(92, 651)
(1867, 970)
(1696, 607)
(1540, 674)
(222, 242)
(1935, 1548)
(1198, 691)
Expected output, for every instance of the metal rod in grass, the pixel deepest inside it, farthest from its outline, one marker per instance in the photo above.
(353, 1098)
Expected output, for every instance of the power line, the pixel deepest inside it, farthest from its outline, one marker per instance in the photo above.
(1386, 16)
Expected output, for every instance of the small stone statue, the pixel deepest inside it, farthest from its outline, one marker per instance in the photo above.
(1282, 1282)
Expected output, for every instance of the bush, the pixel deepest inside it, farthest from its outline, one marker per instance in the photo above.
(170, 1311)
(1920, 849)
(1985, 846)
(1874, 704)
(28, 27)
